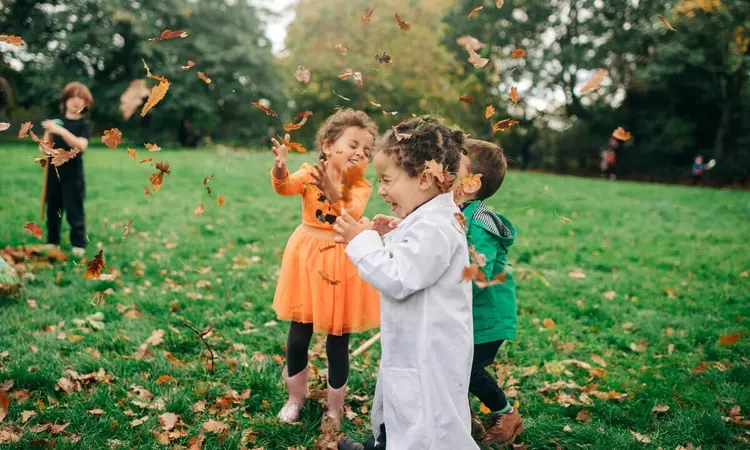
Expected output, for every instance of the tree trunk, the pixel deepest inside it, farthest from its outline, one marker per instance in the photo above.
(733, 91)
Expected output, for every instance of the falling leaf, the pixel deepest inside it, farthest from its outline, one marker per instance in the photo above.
(583, 416)
(621, 134)
(404, 25)
(4, 404)
(156, 179)
(477, 60)
(366, 16)
(169, 34)
(204, 77)
(513, 95)
(356, 76)
(293, 146)
(489, 112)
(595, 81)
(163, 166)
(95, 266)
(302, 116)
(383, 58)
(641, 437)
(264, 109)
(127, 229)
(157, 92)
(577, 273)
(500, 3)
(469, 43)
(132, 153)
(658, 408)
(476, 258)
(34, 229)
(4, 126)
(549, 323)
(328, 279)
(377, 105)
(199, 210)
(729, 339)
(206, 181)
(518, 53)
(132, 98)
(609, 295)
(12, 40)
(61, 157)
(474, 12)
(666, 24)
(147, 191)
(144, 161)
(23, 131)
(188, 66)
(302, 74)
(469, 100)
(504, 125)
(341, 48)
(42, 162)
(152, 147)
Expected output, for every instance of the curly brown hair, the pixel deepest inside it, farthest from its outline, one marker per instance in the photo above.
(488, 160)
(414, 142)
(335, 125)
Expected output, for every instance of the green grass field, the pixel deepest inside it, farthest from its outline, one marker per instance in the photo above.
(666, 275)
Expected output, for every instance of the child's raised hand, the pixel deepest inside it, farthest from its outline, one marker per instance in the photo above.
(322, 180)
(280, 151)
(384, 224)
(348, 228)
(51, 127)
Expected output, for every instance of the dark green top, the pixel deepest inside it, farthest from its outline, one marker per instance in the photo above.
(494, 307)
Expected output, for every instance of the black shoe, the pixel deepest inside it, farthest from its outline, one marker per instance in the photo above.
(347, 443)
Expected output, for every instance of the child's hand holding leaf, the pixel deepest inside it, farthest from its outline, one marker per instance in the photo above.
(348, 228)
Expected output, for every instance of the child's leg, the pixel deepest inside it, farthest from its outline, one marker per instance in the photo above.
(295, 372)
(337, 351)
(482, 384)
(54, 207)
(74, 191)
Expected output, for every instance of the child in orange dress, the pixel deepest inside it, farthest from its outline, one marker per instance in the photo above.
(319, 289)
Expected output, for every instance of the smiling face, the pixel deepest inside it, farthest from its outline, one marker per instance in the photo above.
(354, 146)
(402, 192)
(74, 105)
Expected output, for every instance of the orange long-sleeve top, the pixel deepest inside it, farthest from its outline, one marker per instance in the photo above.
(317, 212)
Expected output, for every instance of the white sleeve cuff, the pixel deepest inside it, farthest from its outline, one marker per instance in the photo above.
(363, 244)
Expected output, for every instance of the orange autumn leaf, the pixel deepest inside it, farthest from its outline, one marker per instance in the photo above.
(95, 266)
(356, 76)
(169, 34)
(206, 181)
(366, 16)
(204, 77)
(163, 167)
(24, 130)
(621, 134)
(595, 81)
(666, 24)
(474, 12)
(60, 157)
(220, 200)
(513, 95)
(302, 116)
(190, 64)
(435, 169)
(472, 273)
(477, 60)
(404, 25)
(112, 138)
(199, 210)
(127, 229)
(468, 100)
(341, 48)
(302, 74)
(489, 112)
(12, 40)
(518, 53)
(504, 125)
(293, 146)
(156, 179)
(461, 220)
(157, 92)
(470, 183)
(484, 409)
(164, 379)
(549, 323)
(264, 109)
(34, 229)
(147, 191)
(328, 279)
(132, 153)
(147, 160)
(729, 339)
(152, 147)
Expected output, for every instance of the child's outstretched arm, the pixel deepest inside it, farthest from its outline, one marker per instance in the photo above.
(283, 183)
(415, 263)
(71, 139)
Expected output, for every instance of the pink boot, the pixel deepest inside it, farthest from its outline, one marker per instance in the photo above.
(335, 411)
(297, 388)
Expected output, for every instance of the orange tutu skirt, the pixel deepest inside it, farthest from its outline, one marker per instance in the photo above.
(318, 284)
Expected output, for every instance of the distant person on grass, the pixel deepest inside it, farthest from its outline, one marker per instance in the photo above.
(609, 158)
(494, 308)
(699, 168)
(318, 288)
(66, 186)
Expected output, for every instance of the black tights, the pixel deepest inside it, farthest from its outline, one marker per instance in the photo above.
(337, 351)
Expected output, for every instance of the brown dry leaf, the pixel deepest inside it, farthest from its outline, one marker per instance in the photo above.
(95, 266)
(327, 278)
(4, 404)
(504, 125)
(404, 25)
(356, 76)
(112, 138)
(156, 179)
(518, 53)
(462, 223)
(12, 40)
(609, 295)
(489, 112)
(23, 131)
(469, 42)
(293, 146)
(621, 134)
(206, 181)
(168, 421)
(341, 48)
(469, 100)
(513, 95)
(383, 58)
(199, 406)
(729, 339)
(152, 147)
(477, 258)
(220, 200)
(599, 360)
(583, 416)
(666, 24)
(132, 153)
(137, 422)
(188, 66)
(156, 338)
(157, 92)
(163, 166)
(436, 170)
(67, 385)
(33, 229)
(302, 74)
(302, 116)
(214, 426)
(164, 379)
(169, 34)
(577, 274)
(367, 16)
(474, 12)
(659, 408)
(477, 60)
(42, 162)
(264, 109)
(199, 210)
(147, 191)
(549, 323)
(132, 98)
(641, 437)
(639, 347)
(595, 81)
(144, 161)
(204, 77)
(60, 157)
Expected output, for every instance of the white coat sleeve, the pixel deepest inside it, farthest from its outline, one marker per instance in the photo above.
(415, 263)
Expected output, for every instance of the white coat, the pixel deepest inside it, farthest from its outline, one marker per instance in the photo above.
(422, 392)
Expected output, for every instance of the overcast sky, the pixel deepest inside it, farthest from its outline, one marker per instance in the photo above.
(277, 28)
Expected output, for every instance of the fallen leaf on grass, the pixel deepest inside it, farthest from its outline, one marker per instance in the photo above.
(137, 422)
(641, 437)
(4, 404)
(168, 421)
(164, 379)
(659, 408)
(610, 295)
(639, 347)
(34, 229)
(96, 412)
(567, 428)
(729, 339)
(583, 416)
(549, 323)
(199, 210)
(577, 274)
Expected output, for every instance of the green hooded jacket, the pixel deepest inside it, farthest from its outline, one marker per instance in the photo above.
(494, 307)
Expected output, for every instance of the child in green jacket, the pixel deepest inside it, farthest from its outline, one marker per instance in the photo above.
(491, 235)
